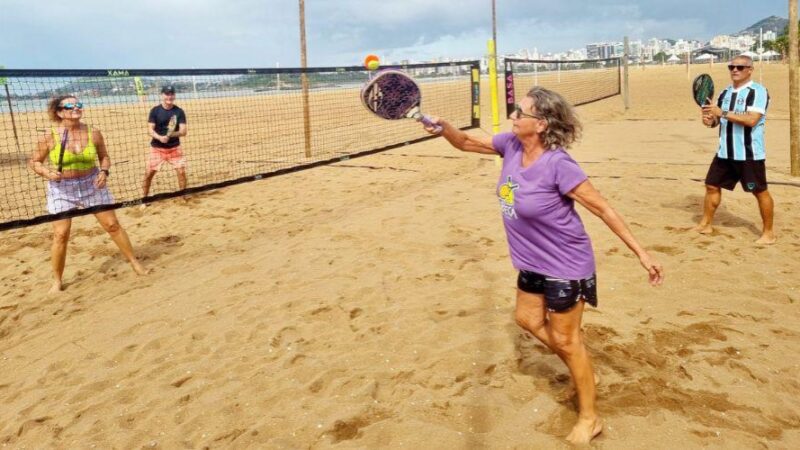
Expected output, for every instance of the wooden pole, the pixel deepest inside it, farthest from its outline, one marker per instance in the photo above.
(626, 92)
(794, 92)
(688, 64)
(304, 80)
(493, 91)
(13, 122)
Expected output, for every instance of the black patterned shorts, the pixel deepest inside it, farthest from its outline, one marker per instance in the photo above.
(560, 295)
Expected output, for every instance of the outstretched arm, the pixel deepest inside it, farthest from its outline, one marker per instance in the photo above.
(461, 140)
(586, 194)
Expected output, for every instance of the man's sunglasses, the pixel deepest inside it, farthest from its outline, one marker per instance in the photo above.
(71, 106)
(737, 67)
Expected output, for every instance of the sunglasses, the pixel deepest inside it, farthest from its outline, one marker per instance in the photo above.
(737, 67)
(71, 106)
(520, 113)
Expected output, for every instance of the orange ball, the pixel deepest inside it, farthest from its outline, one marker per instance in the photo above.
(371, 62)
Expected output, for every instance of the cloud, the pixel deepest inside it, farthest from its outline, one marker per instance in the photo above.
(260, 33)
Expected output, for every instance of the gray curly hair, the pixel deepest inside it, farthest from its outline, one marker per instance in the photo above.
(563, 126)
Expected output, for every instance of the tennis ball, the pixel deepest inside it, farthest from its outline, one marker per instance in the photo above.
(371, 62)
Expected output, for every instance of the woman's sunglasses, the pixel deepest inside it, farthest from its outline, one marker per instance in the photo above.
(521, 113)
(739, 68)
(71, 106)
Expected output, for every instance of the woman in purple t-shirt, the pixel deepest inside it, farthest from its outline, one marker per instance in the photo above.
(537, 190)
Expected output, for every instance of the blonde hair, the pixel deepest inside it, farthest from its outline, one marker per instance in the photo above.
(563, 126)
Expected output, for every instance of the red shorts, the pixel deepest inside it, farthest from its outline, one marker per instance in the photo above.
(158, 156)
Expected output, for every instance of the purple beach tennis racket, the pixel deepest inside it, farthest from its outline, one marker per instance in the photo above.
(394, 95)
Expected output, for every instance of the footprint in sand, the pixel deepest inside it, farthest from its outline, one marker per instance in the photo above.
(667, 250)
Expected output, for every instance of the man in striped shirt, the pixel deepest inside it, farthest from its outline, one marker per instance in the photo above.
(740, 112)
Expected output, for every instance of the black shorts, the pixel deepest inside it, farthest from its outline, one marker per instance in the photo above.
(560, 295)
(725, 173)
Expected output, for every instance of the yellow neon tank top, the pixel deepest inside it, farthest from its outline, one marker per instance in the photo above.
(84, 160)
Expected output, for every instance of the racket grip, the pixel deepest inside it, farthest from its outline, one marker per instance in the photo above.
(427, 121)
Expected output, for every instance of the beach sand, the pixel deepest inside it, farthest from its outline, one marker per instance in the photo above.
(369, 304)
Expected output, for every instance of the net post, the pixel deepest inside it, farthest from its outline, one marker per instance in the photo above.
(626, 93)
(306, 115)
(140, 92)
(475, 71)
(493, 91)
(304, 80)
(689, 64)
(493, 87)
(559, 69)
(508, 72)
(794, 92)
(11, 112)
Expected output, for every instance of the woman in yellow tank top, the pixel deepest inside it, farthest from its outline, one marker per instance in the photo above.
(81, 183)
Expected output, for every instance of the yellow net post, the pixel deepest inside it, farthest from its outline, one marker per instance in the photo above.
(137, 82)
(493, 92)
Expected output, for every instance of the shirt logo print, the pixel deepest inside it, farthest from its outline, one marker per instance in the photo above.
(505, 193)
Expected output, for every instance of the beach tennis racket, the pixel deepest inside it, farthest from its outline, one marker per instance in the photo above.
(172, 125)
(394, 95)
(702, 89)
(64, 136)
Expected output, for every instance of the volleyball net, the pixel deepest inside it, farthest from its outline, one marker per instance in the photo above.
(243, 125)
(579, 82)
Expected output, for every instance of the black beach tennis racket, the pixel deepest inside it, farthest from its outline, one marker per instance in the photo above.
(394, 95)
(703, 89)
(64, 137)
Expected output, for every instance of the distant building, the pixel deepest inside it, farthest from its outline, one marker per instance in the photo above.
(603, 50)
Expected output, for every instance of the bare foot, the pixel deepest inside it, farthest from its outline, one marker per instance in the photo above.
(585, 430)
(139, 268)
(766, 239)
(704, 229)
(56, 288)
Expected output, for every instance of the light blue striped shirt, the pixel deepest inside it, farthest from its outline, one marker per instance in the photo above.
(739, 142)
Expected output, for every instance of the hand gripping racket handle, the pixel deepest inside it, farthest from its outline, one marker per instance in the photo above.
(427, 121)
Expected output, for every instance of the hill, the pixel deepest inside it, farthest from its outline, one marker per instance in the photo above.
(772, 23)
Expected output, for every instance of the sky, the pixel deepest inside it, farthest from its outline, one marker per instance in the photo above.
(159, 34)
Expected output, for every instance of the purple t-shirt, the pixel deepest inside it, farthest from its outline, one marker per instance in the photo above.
(545, 233)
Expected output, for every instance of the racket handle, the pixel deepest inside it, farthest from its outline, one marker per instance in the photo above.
(427, 121)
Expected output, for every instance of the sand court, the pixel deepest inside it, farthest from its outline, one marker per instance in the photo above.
(368, 304)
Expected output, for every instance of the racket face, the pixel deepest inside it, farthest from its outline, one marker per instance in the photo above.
(173, 123)
(703, 89)
(392, 95)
